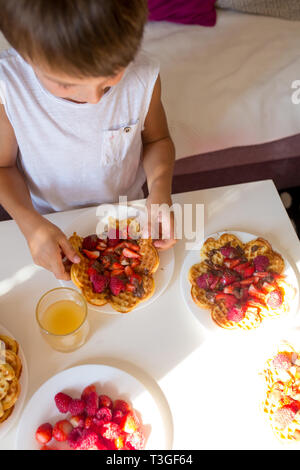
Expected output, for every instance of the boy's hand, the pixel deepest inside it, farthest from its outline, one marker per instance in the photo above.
(48, 246)
(164, 221)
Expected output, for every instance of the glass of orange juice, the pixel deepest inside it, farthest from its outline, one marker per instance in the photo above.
(61, 314)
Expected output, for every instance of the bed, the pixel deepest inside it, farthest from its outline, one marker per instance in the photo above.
(227, 92)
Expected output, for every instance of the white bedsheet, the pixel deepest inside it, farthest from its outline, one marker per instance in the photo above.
(229, 85)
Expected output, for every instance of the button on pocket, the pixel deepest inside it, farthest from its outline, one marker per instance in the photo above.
(117, 142)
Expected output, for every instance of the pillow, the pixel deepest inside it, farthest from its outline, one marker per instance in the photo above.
(288, 9)
(200, 12)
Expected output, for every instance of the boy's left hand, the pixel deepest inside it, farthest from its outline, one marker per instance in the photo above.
(165, 218)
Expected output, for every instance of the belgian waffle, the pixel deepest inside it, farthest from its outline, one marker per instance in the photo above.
(282, 394)
(125, 301)
(10, 372)
(228, 266)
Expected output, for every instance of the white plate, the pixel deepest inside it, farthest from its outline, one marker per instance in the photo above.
(7, 425)
(109, 381)
(204, 316)
(86, 224)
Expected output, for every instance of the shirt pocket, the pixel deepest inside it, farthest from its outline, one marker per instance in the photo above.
(117, 142)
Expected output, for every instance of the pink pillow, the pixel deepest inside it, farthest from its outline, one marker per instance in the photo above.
(200, 12)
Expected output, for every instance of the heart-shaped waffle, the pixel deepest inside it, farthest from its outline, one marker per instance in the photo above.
(125, 262)
(240, 283)
(10, 372)
(282, 394)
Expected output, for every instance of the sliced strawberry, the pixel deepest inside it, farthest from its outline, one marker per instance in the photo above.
(130, 288)
(262, 274)
(108, 250)
(229, 289)
(231, 263)
(128, 271)
(91, 271)
(134, 263)
(101, 246)
(248, 281)
(256, 292)
(235, 314)
(130, 253)
(117, 272)
(248, 272)
(117, 265)
(92, 254)
(241, 267)
(275, 299)
(132, 246)
(90, 242)
(130, 423)
(229, 300)
(227, 278)
(135, 278)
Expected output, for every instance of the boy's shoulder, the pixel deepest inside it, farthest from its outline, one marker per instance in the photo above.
(145, 67)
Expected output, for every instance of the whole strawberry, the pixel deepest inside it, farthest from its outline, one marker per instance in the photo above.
(44, 433)
(62, 430)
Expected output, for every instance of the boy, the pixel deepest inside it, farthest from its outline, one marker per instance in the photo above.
(81, 119)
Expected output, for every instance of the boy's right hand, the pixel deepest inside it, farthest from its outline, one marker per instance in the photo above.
(48, 246)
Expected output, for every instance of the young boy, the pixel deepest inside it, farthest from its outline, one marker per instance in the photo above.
(81, 119)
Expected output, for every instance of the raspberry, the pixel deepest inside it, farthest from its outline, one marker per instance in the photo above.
(74, 437)
(111, 431)
(261, 263)
(282, 361)
(104, 400)
(117, 416)
(116, 285)
(88, 440)
(76, 406)
(135, 441)
(89, 389)
(62, 401)
(99, 281)
(91, 404)
(104, 415)
(61, 430)
(96, 425)
(205, 280)
(275, 299)
(90, 242)
(122, 405)
(228, 251)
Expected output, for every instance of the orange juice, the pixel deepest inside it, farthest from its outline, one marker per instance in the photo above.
(63, 317)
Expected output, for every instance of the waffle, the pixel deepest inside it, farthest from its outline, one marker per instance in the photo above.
(283, 390)
(10, 372)
(213, 259)
(125, 301)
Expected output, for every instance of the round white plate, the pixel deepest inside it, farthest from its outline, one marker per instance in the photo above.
(193, 257)
(7, 425)
(86, 224)
(110, 381)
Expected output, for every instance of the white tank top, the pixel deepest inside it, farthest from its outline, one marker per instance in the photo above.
(75, 155)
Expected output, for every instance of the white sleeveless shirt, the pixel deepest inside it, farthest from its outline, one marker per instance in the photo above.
(75, 155)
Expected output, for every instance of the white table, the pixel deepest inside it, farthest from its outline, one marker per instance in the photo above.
(207, 381)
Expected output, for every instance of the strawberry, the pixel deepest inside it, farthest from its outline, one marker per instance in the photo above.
(104, 400)
(90, 242)
(86, 392)
(228, 299)
(286, 414)
(135, 441)
(248, 281)
(253, 291)
(130, 288)
(227, 278)
(205, 280)
(261, 263)
(88, 422)
(43, 433)
(135, 279)
(122, 405)
(235, 314)
(92, 272)
(130, 423)
(76, 406)
(116, 285)
(134, 263)
(132, 246)
(61, 430)
(111, 431)
(128, 271)
(78, 421)
(117, 416)
(47, 448)
(241, 267)
(275, 299)
(231, 263)
(248, 272)
(101, 245)
(117, 272)
(62, 401)
(116, 265)
(130, 253)
(91, 254)
(120, 442)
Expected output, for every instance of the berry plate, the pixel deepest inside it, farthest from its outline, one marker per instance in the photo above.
(7, 425)
(86, 224)
(204, 317)
(108, 380)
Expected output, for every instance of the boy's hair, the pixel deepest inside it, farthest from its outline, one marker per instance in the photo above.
(78, 37)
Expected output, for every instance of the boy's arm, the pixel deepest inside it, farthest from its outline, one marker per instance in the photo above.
(158, 159)
(44, 239)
